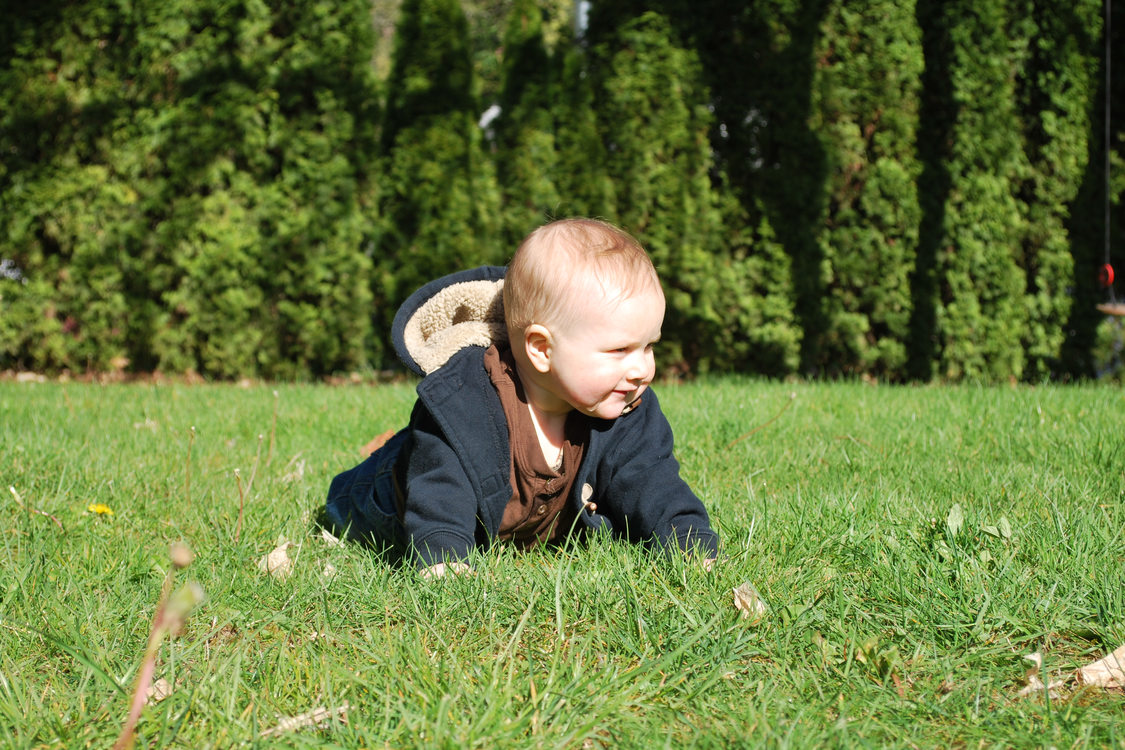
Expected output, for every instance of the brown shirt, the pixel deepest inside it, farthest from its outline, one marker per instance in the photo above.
(538, 511)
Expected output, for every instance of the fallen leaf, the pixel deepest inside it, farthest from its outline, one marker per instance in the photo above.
(158, 691)
(277, 563)
(1035, 684)
(955, 520)
(329, 571)
(329, 538)
(376, 443)
(748, 603)
(1107, 672)
(298, 471)
(318, 717)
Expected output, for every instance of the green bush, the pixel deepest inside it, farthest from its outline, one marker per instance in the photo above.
(656, 123)
(828, 188)
(205, 188)
(439, 202)
(865, 110)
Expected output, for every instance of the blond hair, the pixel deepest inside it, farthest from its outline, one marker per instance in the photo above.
(558, 265)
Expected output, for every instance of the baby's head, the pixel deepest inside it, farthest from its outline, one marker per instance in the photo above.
(583, 307)
(564, 266)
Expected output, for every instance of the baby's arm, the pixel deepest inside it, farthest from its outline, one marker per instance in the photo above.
(646, 493)
(440, 504)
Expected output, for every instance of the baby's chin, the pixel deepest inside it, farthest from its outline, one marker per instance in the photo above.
(611, 408)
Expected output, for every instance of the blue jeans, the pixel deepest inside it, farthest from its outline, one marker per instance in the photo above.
(361, 501)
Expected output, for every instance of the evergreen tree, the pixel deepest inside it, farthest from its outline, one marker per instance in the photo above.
(656, 122)
(439, 198)
(204, 200)
(981, 314)
(1056, 89)
(865, 110)
(581, 178)
(525, 129)
(70, 215)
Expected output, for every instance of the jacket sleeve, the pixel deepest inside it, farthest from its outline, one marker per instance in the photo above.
(641, 489)
(440, 505)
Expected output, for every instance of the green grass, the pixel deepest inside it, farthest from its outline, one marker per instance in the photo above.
(885, 628)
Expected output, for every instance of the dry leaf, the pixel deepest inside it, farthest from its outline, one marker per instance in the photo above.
(329, 571)
(376, 443)
(329, 538)
(1035, 684)
(318, 717)
(277, 562)
(1107, 672)
(748, 603)
(158, 691)
(296, 469)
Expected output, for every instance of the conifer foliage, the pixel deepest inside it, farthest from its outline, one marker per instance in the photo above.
(183, 187)
(526, 152)
(903, 190)
(865, 110)
(657, 124)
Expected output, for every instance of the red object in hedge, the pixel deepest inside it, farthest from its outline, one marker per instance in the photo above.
(1105, 275)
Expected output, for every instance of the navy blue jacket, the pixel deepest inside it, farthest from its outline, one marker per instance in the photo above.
(454, 462)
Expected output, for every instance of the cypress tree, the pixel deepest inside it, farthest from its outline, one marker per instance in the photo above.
(581, 177)
(202, 203)
(980, 312)
(525, 151)
(654, 117)
(439, 199)
(69, 212)
(1095, 341)
(656, 121)
(865, 110)
(1056, 88)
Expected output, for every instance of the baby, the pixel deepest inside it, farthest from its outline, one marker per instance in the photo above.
(534, 419)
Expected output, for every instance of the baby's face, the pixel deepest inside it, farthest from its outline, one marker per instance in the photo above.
(601, 359)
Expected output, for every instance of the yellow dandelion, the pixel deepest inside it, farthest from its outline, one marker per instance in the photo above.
(100, 509)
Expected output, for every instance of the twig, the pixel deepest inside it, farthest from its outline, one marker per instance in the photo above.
(774, 418)
(187, 469)
(241, 502)
(857, 441)
(29, 509)
(257, 460)
(171, 611)
(273, 429)
(318, 717)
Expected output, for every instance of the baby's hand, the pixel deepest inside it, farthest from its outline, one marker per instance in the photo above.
(441, 569)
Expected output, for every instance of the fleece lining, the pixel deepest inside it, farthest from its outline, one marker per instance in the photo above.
(468, 313)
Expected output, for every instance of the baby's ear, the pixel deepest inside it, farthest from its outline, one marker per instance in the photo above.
(537, 345)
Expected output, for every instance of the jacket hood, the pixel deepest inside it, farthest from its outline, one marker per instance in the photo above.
(447, 314)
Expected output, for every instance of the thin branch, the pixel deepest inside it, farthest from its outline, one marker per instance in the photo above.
(29, 509)
(764, 425)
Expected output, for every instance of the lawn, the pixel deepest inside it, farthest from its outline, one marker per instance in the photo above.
(913, 544)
